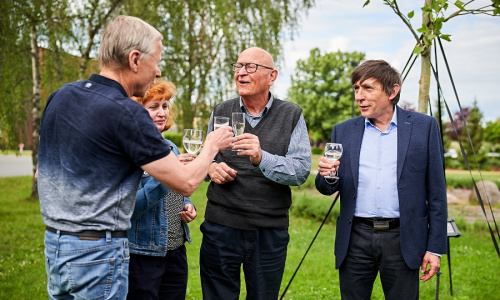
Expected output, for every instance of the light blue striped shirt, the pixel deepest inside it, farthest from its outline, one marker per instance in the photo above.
(295, 166)
(377, 183)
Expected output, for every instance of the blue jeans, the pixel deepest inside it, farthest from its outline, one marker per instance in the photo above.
(86, 269)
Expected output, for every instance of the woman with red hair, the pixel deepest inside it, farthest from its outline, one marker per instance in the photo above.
(158, 261)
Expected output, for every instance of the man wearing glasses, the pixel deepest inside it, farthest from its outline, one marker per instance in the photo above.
(246, 219)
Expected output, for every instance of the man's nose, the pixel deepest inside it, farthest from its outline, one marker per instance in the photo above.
(242, 70)
(359, 94)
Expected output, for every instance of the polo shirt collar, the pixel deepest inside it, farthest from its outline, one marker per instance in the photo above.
(109, 82)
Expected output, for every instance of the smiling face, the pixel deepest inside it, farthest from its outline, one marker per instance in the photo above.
(158, 111)
(373, 102)
(256, 84)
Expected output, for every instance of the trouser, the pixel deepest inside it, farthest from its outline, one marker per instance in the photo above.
(85, 268)
(262, 253)
(158, 277)
(370, 252)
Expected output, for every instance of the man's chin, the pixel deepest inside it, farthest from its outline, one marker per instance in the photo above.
(141, 93)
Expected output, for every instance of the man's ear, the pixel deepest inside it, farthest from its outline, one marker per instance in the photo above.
(395, 91)
(273, 76)
(133, 60)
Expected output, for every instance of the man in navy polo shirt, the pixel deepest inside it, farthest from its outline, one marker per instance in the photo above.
(95, 142)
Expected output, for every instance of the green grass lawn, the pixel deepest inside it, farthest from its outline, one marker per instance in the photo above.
(474, 263)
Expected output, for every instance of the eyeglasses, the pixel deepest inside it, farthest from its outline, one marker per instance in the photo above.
(249, 67)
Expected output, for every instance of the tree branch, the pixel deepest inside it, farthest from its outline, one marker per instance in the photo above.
(395, 8)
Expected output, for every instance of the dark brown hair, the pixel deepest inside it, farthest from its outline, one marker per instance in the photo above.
(382, 72)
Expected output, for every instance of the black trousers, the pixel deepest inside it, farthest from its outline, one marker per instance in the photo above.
(224, 250)
(373, 251)
(157, 277)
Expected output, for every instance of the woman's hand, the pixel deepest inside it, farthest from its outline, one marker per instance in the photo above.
(188, 214)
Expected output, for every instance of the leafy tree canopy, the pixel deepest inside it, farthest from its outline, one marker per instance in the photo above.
(203, 37)
(322, 87)
(492, 132)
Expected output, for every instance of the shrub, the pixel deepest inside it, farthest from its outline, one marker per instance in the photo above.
(314, 206)
(317, 150)
(176, 138)
(453, 163)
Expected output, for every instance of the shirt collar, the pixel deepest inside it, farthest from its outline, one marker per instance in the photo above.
(109, 82)
(266, 108)
(394, 120)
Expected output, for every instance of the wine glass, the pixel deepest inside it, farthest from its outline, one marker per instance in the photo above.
(238, 124)
(220, 121)
(333, 151)
(192, 140)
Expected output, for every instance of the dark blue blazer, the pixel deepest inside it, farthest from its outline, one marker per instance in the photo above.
(420, 179)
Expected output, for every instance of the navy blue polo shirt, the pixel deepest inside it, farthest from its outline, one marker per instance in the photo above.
(93, 140)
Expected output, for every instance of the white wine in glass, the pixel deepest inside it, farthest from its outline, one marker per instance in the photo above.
(220, 121)
(192, 140)
(333, 151)
(238, 123)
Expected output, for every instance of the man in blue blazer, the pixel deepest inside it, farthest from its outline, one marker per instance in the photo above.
(392, 190)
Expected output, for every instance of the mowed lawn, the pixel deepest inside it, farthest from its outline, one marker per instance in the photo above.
(475, 265)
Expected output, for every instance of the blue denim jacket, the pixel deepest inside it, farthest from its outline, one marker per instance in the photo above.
(148, 234)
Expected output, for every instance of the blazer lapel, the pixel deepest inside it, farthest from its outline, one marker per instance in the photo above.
(405, 126)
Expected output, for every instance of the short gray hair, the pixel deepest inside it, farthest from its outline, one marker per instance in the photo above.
(123, 35)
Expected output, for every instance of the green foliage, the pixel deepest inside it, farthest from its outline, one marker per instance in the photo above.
(434, 16)
(322, 88)
(45, 23)
(15, 75)
(317, 150)
(175, 138)
(203, 37)
(474, 135)
(311, 204)
(492, 133)
(438, 115)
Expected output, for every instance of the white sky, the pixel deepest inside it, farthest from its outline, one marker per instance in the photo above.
(473, 53)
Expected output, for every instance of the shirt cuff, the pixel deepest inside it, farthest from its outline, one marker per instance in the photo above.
(331, 182)
(435, 253)
(265, 161)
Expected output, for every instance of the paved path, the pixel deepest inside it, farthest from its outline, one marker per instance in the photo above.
(11, 165)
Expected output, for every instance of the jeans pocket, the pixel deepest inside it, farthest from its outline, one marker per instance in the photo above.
(92, 279)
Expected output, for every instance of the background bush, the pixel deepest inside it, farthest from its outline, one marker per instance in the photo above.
(317, 150)
(175, 138)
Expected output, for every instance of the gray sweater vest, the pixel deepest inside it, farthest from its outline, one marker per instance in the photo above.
(253, 201)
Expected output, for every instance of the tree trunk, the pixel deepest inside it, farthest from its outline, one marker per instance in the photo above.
(424, 83)
(35, 65)
(425, 67)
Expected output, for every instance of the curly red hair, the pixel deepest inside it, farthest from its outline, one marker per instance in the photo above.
(159, 90)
